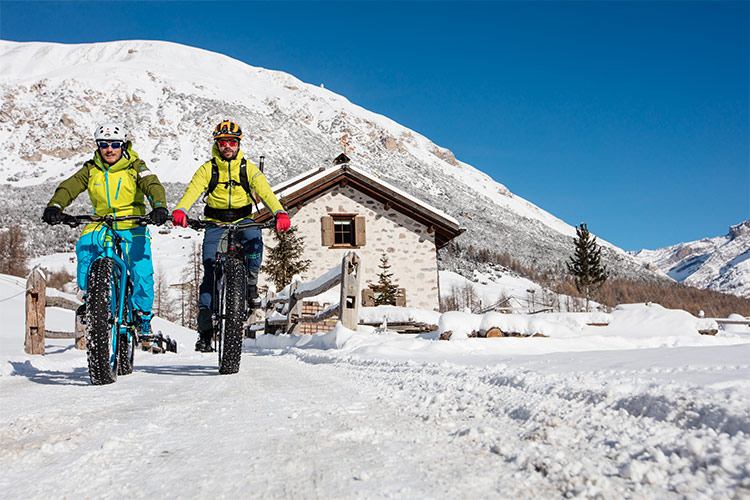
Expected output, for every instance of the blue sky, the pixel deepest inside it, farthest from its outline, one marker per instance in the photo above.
(630, 116)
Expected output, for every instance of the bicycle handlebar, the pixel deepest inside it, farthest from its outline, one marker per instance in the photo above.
(76, 220)
(204, 223)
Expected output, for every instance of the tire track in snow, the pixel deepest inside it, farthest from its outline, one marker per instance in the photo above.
(311, 424)
(582, 435)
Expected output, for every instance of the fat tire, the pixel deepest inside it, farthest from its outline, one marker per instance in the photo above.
(232, 316)
(99, 323)
(125, 354)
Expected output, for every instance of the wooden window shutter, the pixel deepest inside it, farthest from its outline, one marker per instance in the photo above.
(326, 231)
(360, 234)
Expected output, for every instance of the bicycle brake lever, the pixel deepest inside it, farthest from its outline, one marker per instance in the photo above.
(70, 221)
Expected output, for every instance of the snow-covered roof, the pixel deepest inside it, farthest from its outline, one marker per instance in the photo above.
(313, 182)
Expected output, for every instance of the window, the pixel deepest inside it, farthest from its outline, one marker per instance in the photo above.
(343, 231)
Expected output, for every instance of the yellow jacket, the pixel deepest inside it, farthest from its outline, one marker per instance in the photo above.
(226, 195)
(116, 189)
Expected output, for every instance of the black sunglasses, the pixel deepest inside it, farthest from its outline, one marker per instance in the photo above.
(113, 145)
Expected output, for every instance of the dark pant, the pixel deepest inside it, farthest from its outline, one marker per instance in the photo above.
(215, 239)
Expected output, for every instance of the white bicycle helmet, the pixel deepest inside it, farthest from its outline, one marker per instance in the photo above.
(111, 132)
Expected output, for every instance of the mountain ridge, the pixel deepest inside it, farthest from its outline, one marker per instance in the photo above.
(159, 91)
(721, 263)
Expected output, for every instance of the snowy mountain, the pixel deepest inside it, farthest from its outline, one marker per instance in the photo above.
(721, 263)
(170, 96)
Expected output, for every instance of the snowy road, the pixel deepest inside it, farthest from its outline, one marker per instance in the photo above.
(308, 424)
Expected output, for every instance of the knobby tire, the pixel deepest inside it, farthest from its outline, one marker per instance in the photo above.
(100, 321)
(232, 316)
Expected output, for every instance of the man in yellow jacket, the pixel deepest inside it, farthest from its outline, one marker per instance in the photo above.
(117, 180)
(229, 181)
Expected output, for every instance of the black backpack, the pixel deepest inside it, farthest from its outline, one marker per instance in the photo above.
(231, 182)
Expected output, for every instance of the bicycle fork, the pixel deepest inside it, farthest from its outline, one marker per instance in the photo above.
(120, 322)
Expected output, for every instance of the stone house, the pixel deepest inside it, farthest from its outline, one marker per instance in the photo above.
(343, 208)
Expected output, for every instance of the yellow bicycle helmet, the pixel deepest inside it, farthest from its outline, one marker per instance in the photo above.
(227, 130)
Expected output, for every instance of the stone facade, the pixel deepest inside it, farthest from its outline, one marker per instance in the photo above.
(410, 248)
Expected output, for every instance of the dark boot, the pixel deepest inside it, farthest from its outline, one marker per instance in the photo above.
(81, 313)
(204, 345)
(253, 299)
(205, 331)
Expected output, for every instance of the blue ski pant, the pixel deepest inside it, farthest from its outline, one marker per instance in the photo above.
(215, 239)
(136, 252)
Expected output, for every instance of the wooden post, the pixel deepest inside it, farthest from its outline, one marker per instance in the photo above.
(349, 302)
(269, 310)
(295, 310)
(36, 301)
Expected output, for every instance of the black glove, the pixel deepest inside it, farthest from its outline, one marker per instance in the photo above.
(159, 215)
(52, 215)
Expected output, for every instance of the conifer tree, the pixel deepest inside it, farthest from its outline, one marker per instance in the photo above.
(585, 264)
(386, 288)
(285, 260)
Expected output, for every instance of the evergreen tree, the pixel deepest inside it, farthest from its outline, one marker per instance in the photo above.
(585, 264)
(385, 288)
(285, 260)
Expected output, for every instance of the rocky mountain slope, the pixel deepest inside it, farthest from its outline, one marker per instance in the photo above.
(170, 96)
(721, 263)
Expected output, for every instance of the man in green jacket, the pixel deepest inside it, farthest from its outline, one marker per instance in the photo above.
(117, 180)
(229, 182)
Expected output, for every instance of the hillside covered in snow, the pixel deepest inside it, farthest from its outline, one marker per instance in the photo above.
(721, 263)
(170, 96)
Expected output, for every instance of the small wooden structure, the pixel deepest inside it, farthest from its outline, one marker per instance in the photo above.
(36, 305)
(348, 274)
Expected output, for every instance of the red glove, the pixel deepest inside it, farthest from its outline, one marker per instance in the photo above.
(282, 222)
(179, 218)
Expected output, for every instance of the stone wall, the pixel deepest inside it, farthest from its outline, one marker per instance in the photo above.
(410, 249)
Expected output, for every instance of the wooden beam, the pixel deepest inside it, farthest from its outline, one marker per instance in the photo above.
(50, 334)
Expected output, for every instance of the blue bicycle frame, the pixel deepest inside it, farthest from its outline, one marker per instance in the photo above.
(121, 305)
(123, 315)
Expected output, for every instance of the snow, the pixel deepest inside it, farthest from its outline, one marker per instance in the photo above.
(643, 407)
(721, 263)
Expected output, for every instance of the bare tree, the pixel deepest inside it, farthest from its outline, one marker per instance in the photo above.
(192, 274)
(164, 305)
(460, 297)
(13, 254)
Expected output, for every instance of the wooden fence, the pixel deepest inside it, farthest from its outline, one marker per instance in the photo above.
(348, 275)
(37, 303)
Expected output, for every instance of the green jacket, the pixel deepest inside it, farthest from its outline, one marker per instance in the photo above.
(114, 189)
(228, 196)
